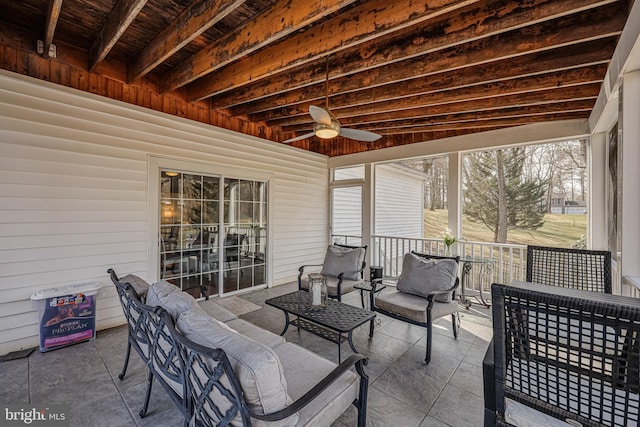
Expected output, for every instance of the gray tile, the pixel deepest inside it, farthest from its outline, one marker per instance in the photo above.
(384, 345)
(411, 386)
(441, 368)
(446, 346)
(432, 422)
(14, 377)
(70, 374)
(111, 345)
(476, 353)
(376, 365)
(110, 411)
(457, 407)
(161, 410)
(384, 411)
(442, 326)
(469, 378)
(403, 330)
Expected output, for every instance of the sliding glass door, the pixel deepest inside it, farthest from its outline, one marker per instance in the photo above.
(213, 235)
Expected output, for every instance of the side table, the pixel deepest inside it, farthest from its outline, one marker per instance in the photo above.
(486, 267)
(365, 286)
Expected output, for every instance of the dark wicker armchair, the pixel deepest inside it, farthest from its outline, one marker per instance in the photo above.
(571, 268)
(567, 354)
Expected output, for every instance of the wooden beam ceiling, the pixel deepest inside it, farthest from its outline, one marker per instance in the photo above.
(409, 70)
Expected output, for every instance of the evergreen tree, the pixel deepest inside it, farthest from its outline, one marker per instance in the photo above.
(498, 196)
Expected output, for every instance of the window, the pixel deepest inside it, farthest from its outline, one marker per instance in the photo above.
(209, 236)
(533, 194)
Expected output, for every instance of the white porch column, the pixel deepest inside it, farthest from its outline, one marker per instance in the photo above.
(368, 211)
(597, 213)
(454, 194)
(630, 170)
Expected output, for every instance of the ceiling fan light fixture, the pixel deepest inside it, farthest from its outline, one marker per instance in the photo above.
(325, 131)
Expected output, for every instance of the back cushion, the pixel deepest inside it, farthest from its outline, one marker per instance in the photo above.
(171, 298)
(139, 285)
(256, 366)
(339, 259)
(422, 276)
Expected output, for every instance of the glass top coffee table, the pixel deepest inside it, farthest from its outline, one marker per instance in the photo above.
(330, 323)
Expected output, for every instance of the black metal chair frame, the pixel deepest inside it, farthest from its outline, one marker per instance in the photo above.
(135, 325)
(535, 323)
(584, 269)
(455, 317)
(340, 276)
(215, 364)
(147, 326)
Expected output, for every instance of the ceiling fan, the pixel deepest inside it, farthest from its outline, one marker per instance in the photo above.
(327, 125)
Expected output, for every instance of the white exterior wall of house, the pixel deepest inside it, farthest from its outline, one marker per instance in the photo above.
(399, 206)
(75, 198)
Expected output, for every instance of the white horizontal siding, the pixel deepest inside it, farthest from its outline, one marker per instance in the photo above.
(399, 203)
(74, 194)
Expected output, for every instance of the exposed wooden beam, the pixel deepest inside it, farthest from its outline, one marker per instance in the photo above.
(479, 124)
(281, 19)
(53, 13)
(585, 95)
(564, 58)
(121, 16)
(476, 21)
(193, 21)
(590, 25)
(479, 94)
(371, 19)
(510, 112)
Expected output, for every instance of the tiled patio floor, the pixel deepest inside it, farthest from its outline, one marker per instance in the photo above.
(403, 391)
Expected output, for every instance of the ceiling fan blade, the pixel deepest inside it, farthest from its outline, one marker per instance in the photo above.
(359, 135)
(298, 138)
(320, 115)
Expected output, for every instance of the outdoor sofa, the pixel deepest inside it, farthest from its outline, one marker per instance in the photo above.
(231, 371)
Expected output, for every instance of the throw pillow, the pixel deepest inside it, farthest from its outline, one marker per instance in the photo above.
(171, 298)
(139, 285)
(421, 276)
(256, 366)
(339, 259)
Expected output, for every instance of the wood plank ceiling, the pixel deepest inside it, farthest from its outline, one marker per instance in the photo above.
(409, 70)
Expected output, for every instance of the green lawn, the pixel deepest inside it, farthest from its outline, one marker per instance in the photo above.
(558, 230)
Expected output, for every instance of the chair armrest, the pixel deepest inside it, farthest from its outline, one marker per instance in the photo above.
(489, 381)
(358, 360)
(302, 267)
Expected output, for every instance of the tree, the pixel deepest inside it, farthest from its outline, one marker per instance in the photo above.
(499, 196)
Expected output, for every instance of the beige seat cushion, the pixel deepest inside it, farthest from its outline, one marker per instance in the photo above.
(256, 333)
(304, 369)
(216, 311)
(332, 285)
(413, 307)
(256, 366)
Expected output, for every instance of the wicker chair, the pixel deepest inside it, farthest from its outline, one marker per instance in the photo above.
(567, 354)
(572, 268)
